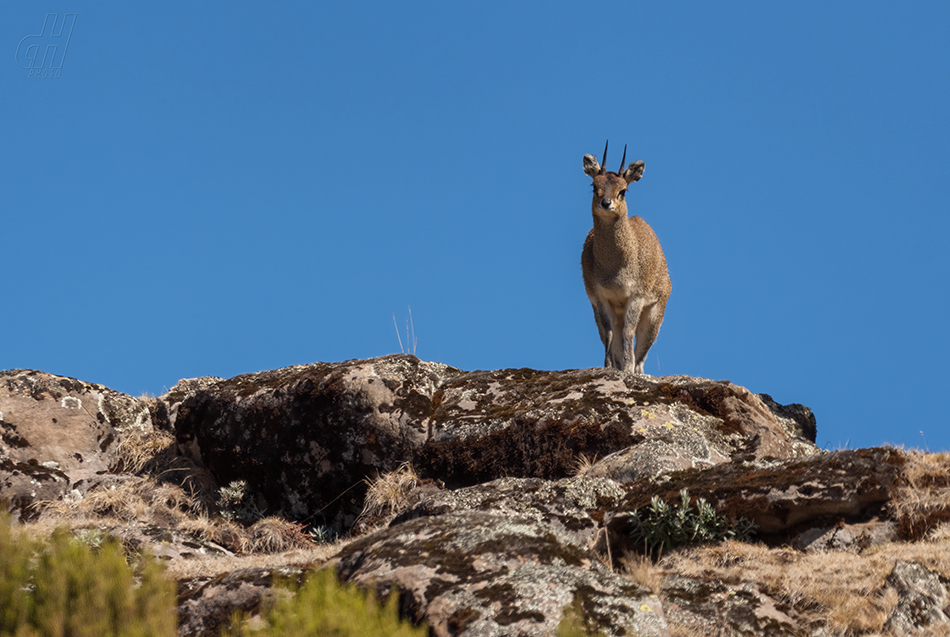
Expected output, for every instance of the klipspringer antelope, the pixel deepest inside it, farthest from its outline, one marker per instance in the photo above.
(624, 269)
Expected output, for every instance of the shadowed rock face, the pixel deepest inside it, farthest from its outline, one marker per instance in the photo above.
(306, 437)
(58, 435)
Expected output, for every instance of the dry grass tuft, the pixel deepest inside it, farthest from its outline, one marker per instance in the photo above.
(921, 502)
(146, 501)
(274, 535)
(940, 533)
(388, 494)
(845, 591)
(138, 446)
(225, 533)
(131, 498)
(642, 570)
(583, 463)
(860, 615)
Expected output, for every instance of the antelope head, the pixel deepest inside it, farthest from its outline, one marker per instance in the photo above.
(610, 188)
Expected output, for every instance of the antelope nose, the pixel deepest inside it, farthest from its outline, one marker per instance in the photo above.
(605, 203)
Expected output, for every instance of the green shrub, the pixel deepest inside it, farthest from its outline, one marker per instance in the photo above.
(15, 555)
(324, 606)
(63, 588)
(322, 534)
(661, 527)
(236, 503)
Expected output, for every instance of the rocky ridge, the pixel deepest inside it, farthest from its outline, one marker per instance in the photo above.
(492, 500)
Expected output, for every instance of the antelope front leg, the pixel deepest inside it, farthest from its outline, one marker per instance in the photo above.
(631, 320)
(619, 348)
(602, 318)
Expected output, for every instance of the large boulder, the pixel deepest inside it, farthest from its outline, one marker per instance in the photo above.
(306, 438)
(58, 436)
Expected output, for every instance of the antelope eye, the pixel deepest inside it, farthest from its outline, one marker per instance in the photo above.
(623, 193)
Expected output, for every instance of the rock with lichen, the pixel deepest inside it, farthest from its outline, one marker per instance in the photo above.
(320, 430)
(487, 575)
(59, 436)
(495, 502)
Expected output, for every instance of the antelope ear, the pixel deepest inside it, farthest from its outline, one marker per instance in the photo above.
(591, 167)
(633, 172)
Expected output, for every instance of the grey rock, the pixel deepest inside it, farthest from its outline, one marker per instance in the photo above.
(922, 605)
(718, 609)
(478, 574)
(205, 606)
(845, 536)
(166, 543)
(799, 419)
(573, 507)
(57, 435)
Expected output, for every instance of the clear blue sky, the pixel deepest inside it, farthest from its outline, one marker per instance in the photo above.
(210, 188)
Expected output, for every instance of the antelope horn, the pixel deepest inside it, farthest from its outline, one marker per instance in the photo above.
(624, 160)
(603, 162)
